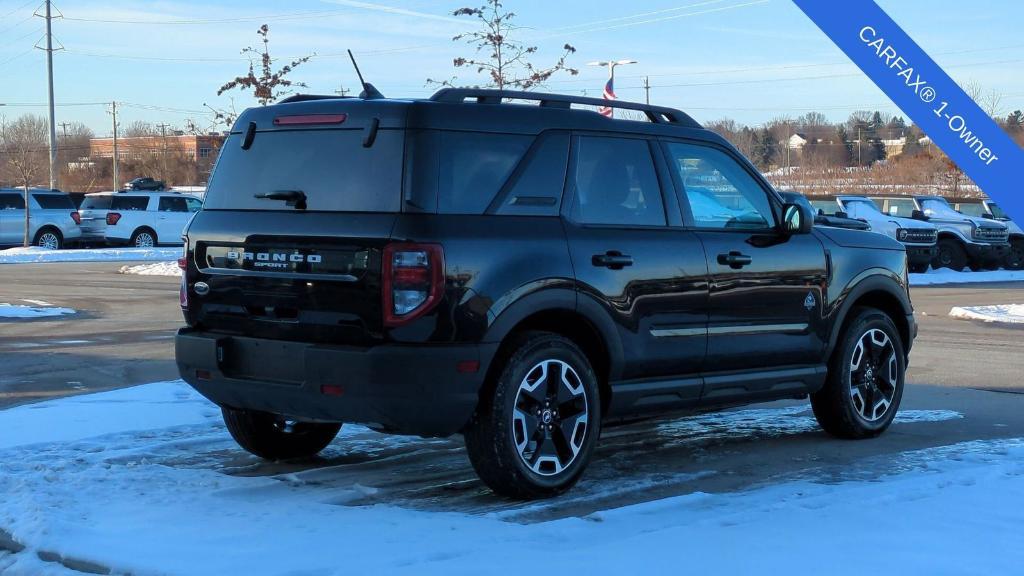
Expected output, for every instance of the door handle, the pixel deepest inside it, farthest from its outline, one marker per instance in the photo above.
(612, 259)
(734, 260)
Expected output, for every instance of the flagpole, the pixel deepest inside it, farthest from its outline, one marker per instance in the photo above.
(611, 64)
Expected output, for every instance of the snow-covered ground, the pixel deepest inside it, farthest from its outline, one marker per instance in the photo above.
(36, 309)
(154, 269)
(146, 480)
(39, 254)
(946, 276)
(1004, 313)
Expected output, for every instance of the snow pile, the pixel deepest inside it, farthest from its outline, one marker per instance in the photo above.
(1004, 313)
(154, 269)
(38, 254)
(947, 276)
(40, 310)
(146, 480)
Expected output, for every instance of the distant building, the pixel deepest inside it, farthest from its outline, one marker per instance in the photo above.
(202, 148)
(797, 141)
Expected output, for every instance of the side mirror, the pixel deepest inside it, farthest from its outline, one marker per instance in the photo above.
(987, 216)
(918, 215)
(841, 214)
(796, 219)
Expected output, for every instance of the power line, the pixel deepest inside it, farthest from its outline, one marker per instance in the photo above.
(190, 21)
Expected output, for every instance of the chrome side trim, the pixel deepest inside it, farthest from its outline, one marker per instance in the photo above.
(722, 330)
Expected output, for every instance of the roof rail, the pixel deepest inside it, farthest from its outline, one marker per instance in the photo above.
(656, 114)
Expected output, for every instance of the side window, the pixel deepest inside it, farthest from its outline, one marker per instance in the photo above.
(130, 203)
(12, 202)
(719, 191)
(54, 201)
(473, 166)
(194, 205)
(172, 204)
(616, 183)
(537, 189)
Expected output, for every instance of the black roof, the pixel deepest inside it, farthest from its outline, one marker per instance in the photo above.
(483, 110)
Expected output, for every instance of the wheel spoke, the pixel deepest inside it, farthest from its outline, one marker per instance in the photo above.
(549, 421)
(567, 429)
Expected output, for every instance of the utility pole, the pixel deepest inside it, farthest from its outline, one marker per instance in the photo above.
(163, 151)
(341, 91)
(647, 89)
(64, 128)
(113, 112)
(54, 174)
(859, 161)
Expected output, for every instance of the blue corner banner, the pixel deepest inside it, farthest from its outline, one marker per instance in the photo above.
(915, 83)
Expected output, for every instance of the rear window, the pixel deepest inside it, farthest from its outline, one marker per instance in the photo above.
(331, 168)
(96, 203)
(54, 201)
(129, 203)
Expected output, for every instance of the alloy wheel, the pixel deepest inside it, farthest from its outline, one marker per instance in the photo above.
(550, 419)
(49, 240)
(144, 240)
(874, 375)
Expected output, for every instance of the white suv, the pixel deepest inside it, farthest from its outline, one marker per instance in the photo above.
(141, 219)
(53, 218)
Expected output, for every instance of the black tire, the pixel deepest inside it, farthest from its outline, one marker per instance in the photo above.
(835, 405)
(950, 255)
(499, 428)
(1015, 257)
(49, 232)
(919, 268)
(271, 437)
(138, 238)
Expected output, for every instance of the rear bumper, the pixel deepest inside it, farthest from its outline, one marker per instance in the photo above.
(406, 389)
(987, 252)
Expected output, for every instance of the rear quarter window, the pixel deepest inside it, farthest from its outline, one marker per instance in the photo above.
(54, 201)
(129, 203)
(473, 166)
(12, 201)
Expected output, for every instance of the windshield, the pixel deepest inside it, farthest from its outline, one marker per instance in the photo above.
(96, 203)
(997, 212)
(939, 208)
(331, 169)
(861, 208)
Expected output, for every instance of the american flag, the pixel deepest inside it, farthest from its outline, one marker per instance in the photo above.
(609, 94)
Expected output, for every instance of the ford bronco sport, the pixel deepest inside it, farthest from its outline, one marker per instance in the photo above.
(519, 269)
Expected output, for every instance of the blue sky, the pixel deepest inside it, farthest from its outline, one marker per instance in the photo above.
(751, 60)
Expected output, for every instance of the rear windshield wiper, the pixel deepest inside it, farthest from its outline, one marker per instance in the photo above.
(296, 198)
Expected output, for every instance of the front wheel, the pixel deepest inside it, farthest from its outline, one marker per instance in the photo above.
(865, 378)
(919, 268)
(274, 437)
(1015, 257)
(950, 255)
(535, 429)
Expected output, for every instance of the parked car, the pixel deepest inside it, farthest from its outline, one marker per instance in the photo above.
(53, 220)
(836, 219)
(522, 274)
(919, 237)
(964, 241)
(145, 183)
(140, 219)
(986, 208)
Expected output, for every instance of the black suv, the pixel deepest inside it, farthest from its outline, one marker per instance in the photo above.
(508, 267)
(145, 183)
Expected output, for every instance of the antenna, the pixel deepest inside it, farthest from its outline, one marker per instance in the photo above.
(369, 92)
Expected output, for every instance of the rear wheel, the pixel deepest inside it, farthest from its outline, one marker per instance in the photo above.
(865, 378)
(49, 238)
(534, 431)
(143, 238)
(950, 255)
(1015, 257)
(274, 437)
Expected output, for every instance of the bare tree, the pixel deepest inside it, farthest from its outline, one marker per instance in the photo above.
(25, 155)
(266, 86)
(505, 61)
(991, 101)
(139, 128)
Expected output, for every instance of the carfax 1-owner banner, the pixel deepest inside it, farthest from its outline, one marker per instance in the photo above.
(915, 83)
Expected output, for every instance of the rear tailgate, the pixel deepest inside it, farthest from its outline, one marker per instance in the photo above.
(302, 200)
(93, 213)
(311, 277)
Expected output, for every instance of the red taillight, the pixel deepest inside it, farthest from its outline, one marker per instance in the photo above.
(76, 217)
(183, 293)
(112, 218)
(413, 280)
(183, 263)
(307, 119)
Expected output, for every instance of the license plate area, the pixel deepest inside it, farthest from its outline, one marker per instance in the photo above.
(265, 360)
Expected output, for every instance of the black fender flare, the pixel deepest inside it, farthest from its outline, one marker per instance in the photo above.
(870, 281)
(560, 299)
